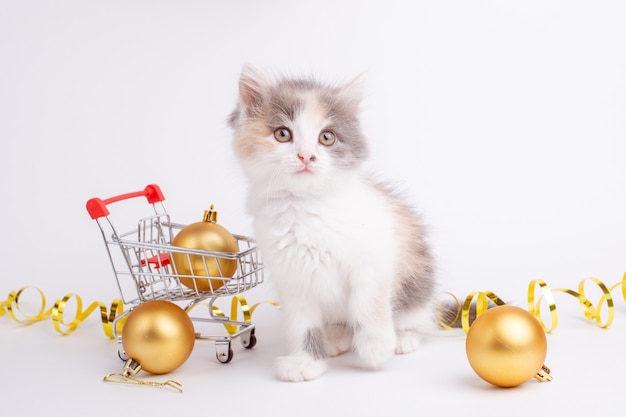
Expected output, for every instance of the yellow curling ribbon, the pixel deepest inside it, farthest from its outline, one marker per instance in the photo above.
(105, 316)
(57, 312)
(479, 300)
(534, 308)
(236, 302)
(479, 306)
(12, 305)
(590, 311)
(482, 303)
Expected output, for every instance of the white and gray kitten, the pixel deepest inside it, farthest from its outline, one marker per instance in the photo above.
(346, 253)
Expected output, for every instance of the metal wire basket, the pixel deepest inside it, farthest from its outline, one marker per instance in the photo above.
(142, 261)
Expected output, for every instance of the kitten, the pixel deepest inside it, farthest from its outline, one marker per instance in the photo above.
(347, 254)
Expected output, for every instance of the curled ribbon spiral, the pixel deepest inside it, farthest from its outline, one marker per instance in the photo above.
(591, 311)
(106, 317)
(57, 311)
(246, 310)
(12, 305)
(477, 300)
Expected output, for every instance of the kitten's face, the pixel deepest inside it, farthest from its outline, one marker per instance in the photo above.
(296, 132)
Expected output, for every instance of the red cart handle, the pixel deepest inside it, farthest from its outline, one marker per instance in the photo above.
(97, 207)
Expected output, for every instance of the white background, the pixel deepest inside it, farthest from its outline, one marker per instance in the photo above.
(504, 119)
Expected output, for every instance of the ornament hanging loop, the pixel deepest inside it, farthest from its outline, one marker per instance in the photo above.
(127, 376)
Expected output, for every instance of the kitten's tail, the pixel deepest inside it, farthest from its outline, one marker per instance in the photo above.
(451, 314)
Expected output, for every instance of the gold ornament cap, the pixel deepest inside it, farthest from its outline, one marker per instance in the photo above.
(210, 215)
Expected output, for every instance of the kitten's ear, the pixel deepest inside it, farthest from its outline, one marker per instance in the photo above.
(252, 83)
(353, 91)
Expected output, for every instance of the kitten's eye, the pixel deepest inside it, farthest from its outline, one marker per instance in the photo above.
(327, 138)
(282, 134)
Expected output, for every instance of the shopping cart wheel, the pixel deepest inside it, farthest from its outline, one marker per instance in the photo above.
(248, 340)
(224, 351)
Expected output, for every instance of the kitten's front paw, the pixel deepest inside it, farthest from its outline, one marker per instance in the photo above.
(299, 368)
(407, 341)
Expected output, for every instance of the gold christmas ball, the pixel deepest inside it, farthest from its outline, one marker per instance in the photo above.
(506, 346)
(210, 236)
(159, 335)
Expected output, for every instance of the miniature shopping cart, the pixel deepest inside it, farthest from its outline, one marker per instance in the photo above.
(141, 260)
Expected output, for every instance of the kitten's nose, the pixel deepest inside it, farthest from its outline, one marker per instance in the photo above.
(306, 158)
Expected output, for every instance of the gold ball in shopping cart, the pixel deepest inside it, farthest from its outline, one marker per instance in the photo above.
(209, 236)
(159, 335)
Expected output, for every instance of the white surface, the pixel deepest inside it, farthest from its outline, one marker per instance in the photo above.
(505, 120)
